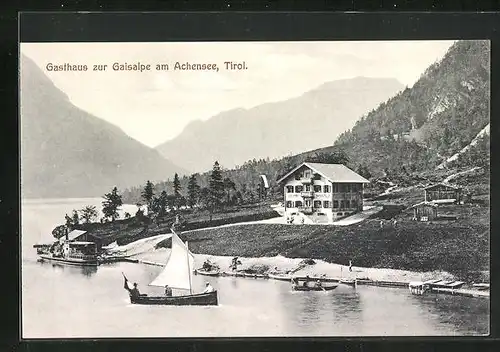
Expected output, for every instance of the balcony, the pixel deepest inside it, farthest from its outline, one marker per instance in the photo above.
(307, 194)
(306, 181)
(306, 210)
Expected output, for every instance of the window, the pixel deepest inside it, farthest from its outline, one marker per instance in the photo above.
(307, 174)
(339, 214)
(354, 203)
(297, 176)
(289, 189)
(289, 204)
(308, 188)
(317, 204)
(326, 189)
(336, 204)
(348, 188)
(326, 204)
(347, 204)
(308, 203)
(298, 204)
(335, 188)
(342, 204)
(317, 188)
(298, 189)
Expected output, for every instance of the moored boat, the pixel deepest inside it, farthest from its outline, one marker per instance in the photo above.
(71, 253)
(348, 282)
(281, 277)
(207, 273)
(314, 288)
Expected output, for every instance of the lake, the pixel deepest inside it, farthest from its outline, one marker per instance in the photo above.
(70, 302)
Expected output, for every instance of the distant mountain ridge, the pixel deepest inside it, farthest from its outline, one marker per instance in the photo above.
(444, 116)
(67, 152)
(312, 120)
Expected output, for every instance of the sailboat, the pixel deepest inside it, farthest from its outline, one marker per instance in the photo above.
(177, 274)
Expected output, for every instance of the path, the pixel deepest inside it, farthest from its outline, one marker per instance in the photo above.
(358, 217)
(451, 177)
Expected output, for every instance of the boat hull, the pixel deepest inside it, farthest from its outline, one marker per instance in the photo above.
(207, 273)
(70, 261)
(280, 277)
(324, 288)
(202, 299)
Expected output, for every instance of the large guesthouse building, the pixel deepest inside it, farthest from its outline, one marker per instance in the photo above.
(322, 192)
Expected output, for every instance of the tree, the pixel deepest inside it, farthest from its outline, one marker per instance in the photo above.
(229, 186)
(69, 221)
(216, 185)
(336, 157)
(60, 231)
(111, 203)
(193, 191)
(364, 171)
(89, 213)
(159, 204)
(75, 218)
(207, 200)
(148, 193)
(177, 190)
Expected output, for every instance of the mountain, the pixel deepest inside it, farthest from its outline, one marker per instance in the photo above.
(312, 120)
(67, 152)
(442, 121)
(423, 126)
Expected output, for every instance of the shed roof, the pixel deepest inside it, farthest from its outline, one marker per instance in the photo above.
(443, 184)
(333, 172)
(75, 234)
(431, 204)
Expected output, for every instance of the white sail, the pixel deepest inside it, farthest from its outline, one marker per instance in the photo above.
(177, 271)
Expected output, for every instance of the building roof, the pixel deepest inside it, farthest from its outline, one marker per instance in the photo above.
(333, 172)
(75, 234)
(434, 205)
(444, 185)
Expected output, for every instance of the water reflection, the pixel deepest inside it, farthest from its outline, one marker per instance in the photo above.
(87, 271)
(457, 310)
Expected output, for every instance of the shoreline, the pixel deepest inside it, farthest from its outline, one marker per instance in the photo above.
(282, 264)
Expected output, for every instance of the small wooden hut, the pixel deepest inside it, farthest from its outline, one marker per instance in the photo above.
(443, 193)
(424, 211)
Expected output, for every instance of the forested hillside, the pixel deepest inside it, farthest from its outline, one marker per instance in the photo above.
(413, 132)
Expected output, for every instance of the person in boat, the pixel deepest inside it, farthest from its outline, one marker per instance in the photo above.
(134, 292)
(208, 288)
(207, 266)
(295, 282)
(168, 291)
(318, 283)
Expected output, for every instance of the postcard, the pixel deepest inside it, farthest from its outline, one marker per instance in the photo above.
(255, 189)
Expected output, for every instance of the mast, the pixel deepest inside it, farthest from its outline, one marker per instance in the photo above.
(189, 269)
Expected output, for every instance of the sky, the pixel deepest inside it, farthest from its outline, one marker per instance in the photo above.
(155, 106)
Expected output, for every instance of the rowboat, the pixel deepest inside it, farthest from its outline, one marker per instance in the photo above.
(348, 282)
(233, 273)
(177, 275)
(202, 299)
(314, 288)
(281, 277)
(207, 273)
(256, 276)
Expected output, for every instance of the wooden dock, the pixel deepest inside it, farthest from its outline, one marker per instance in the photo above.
(462, 292)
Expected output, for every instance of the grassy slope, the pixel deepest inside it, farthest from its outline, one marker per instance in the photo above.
(460, 247)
